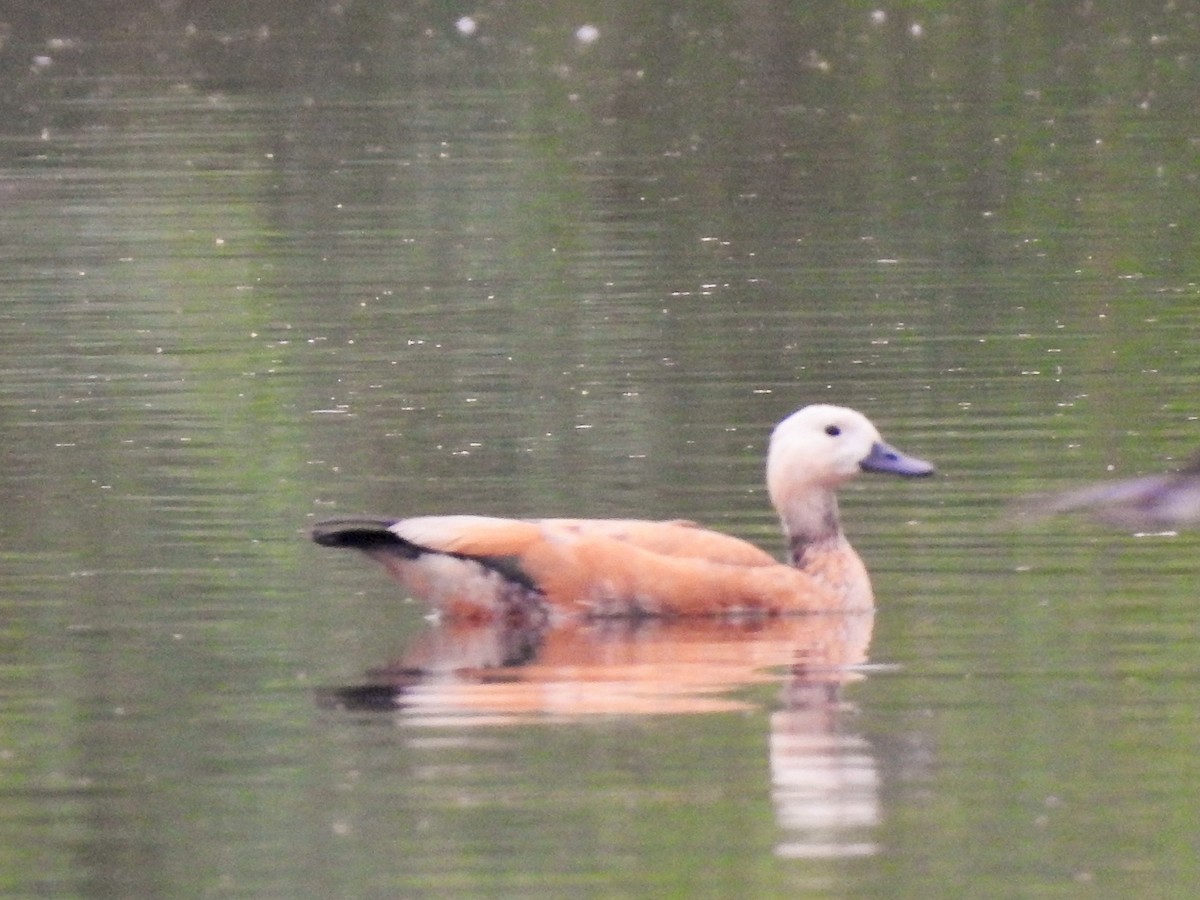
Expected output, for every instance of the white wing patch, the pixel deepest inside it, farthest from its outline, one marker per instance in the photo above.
(446, 533)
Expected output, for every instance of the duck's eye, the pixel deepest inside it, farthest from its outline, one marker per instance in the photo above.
(832, 430)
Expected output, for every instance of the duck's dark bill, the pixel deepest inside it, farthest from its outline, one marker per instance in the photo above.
(886, 458)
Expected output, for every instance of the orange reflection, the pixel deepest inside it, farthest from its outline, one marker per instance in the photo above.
(824, 780)
(609, 667)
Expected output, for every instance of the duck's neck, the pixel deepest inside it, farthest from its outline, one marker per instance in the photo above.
(812, 526)
(817, 546)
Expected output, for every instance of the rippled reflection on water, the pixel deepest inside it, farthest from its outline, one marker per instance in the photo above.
(264, 264)
(823, 778)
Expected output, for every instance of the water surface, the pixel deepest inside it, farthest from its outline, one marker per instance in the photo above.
(262, 267)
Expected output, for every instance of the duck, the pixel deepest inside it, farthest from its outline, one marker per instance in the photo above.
(476, 568)
(1167, 501)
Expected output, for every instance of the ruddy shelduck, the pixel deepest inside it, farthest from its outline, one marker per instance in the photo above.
(480, 568)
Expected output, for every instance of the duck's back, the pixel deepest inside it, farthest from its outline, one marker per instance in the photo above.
(481, 567)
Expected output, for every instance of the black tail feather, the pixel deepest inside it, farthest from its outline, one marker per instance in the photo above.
(359, 533)
(372, 535)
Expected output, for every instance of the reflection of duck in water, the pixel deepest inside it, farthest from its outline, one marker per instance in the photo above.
(824, 779)
(1154, 501)
(611, 666)
(478, 568)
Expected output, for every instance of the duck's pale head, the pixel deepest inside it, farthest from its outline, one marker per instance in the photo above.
(814, 451)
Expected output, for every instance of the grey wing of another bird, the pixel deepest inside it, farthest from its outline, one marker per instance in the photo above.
(1152, 501)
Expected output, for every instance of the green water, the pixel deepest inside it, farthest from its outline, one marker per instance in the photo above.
(259, 267)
